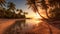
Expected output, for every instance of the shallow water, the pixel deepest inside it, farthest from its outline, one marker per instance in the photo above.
(17, 24)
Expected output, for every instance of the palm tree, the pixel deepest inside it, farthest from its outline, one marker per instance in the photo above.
(25, 13)
(21, 11)
(56, 5)
(55, 14)
(2, 9)
(8, 14)
(21, 14)
(33, 5)
(53, 3)
(2, 2)
(44, 6)
(11, 6)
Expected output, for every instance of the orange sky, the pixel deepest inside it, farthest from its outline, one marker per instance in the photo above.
(34, 15)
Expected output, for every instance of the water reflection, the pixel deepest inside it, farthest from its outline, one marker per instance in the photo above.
(21, 26)
(33, 22)
(20, 23)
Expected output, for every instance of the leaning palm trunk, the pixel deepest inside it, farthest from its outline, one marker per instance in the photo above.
(35, 9)
(41, 16)
(44, 19)
(39, 13)
(47, 15)
(46, 23)
(50, 29)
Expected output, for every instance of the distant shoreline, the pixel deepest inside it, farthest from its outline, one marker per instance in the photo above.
(15, 18)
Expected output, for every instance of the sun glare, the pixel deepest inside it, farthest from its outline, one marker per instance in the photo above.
(37, 15)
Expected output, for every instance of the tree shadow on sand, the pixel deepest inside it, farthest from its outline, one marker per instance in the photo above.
(15, 28)
(54, 23)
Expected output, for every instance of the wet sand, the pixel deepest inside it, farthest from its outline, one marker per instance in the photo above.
(4, 24)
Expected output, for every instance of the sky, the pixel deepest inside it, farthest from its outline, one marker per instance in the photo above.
(20, 4)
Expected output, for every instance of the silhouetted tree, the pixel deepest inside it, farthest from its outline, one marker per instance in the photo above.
(55, 4)
(52, 3)
(2, 9)
(21, 14)
(25, 13)
(34, 6)
(21, 10)
(8, 14)
(11, 6)
(10, 11)
(2, 3)
(55, 13)
(44, 6)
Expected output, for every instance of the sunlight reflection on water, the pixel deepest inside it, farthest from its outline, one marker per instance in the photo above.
(12, 26)
(33, 21)
(29, 24)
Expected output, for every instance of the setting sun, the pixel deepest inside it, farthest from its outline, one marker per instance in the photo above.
(37, 15)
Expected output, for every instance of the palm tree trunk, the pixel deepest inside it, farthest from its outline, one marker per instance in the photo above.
(40, 14)
(47, 14)
(36, 10)
(47, 24)
(44, 22)
(49, 28)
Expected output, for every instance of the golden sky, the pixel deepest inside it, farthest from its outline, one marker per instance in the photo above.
(20, 4)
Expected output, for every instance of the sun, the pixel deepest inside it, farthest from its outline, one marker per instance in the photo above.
(37, 15)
